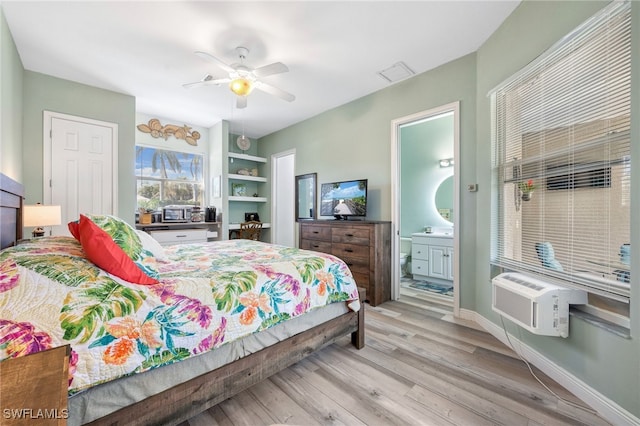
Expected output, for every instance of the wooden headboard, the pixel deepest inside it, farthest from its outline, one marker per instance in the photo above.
(11, 196)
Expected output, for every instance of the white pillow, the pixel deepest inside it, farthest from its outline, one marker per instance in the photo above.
(149, 243)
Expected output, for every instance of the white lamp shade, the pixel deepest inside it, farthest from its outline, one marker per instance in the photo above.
(39, 215)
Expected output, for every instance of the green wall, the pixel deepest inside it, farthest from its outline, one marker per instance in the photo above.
(43, 92)
(353, 141)
(608, 363)
(11, 72)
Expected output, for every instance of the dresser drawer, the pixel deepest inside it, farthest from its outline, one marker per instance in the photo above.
(350, 235)
(420, 267)
(356, 264)
(419, 252)
(311, 232)
(316, 245)
(180, 236)
(350, 251)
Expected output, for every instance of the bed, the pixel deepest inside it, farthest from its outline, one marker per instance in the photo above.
(206, 331)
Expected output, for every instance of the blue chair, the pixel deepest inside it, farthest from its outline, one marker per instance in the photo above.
(546, 254)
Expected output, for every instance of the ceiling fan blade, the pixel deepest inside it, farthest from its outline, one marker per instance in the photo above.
(275, 68)
(241, 102)
(261, 85)
(206, 82)
(210, 58)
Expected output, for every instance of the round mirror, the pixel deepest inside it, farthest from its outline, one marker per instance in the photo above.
(444, 199)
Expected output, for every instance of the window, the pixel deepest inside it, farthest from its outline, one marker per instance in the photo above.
(561, 161)
(166, 177)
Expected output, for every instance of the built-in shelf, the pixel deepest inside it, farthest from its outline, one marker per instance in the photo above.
(249, 199)
(246, 177)
(247, 157)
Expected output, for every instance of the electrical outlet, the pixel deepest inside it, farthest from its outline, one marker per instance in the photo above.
(472, 187)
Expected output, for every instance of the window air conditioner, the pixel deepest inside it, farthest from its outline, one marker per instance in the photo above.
(540, 307)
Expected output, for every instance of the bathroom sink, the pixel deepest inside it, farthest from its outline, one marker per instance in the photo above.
(441, 233)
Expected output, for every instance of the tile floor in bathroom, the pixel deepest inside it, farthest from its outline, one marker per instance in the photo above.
(421, 294)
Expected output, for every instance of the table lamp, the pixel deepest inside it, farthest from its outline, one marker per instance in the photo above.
(39, 216)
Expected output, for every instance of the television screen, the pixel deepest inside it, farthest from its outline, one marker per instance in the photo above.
(343, 199)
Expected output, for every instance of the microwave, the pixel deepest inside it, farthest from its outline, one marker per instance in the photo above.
(176, 214)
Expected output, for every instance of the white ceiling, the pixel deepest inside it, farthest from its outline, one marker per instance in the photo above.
(333, 49)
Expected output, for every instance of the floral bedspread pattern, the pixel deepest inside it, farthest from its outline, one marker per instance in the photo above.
(209, 294)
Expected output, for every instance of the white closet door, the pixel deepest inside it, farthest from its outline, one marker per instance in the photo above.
(83, 169)
(283, 195)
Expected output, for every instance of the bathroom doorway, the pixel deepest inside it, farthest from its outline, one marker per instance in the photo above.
(425, 199)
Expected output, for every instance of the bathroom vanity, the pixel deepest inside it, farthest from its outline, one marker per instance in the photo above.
(432, 257)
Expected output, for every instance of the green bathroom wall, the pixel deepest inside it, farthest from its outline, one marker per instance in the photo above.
(422, 146)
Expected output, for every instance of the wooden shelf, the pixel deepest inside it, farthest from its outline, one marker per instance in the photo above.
(248, 178)
(249, 199)
(247, 157)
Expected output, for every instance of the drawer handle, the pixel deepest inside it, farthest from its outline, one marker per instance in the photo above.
(316, 232)
(315, 246)
(181, 236)
(349, 235)
(348, 250)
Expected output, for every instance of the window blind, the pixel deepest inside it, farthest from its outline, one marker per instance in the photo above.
(561, 160)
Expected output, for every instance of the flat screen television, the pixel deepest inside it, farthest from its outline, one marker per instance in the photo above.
(344, 199)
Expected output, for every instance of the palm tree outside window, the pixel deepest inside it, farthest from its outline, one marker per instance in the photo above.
(165, 177)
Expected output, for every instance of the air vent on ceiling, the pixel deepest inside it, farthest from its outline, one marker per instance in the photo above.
(396, 72)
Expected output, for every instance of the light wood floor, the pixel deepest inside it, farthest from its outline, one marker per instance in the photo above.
(417, 369)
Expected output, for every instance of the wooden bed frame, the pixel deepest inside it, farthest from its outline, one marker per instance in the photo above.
(194, 396)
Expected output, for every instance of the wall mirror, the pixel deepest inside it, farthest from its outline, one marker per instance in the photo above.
(444, 199)
(306, 196)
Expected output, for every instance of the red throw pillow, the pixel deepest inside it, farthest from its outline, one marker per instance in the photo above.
(73, 228)
(106, 254)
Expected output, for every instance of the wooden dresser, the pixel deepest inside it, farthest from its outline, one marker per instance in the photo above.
(365, 246)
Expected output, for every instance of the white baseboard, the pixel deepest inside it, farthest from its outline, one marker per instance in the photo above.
(605, 407)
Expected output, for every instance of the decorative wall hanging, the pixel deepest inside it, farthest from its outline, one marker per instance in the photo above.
(157, 130)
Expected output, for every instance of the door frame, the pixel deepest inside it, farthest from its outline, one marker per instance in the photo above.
(274, 192)
(395, 195)
(47, 141)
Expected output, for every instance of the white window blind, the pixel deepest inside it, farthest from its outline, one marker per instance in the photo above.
(561, 160)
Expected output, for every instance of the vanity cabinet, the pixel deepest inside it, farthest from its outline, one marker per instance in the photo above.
(365, 246)
(432, 257)
(441, 262)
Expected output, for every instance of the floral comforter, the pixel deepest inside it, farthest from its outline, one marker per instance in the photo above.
(209, 294)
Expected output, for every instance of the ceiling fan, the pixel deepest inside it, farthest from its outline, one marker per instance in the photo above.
(242, 79)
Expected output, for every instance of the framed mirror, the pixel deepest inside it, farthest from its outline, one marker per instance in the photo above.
(306, 196)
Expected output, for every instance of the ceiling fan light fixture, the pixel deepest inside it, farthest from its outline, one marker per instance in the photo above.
(241, 86)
